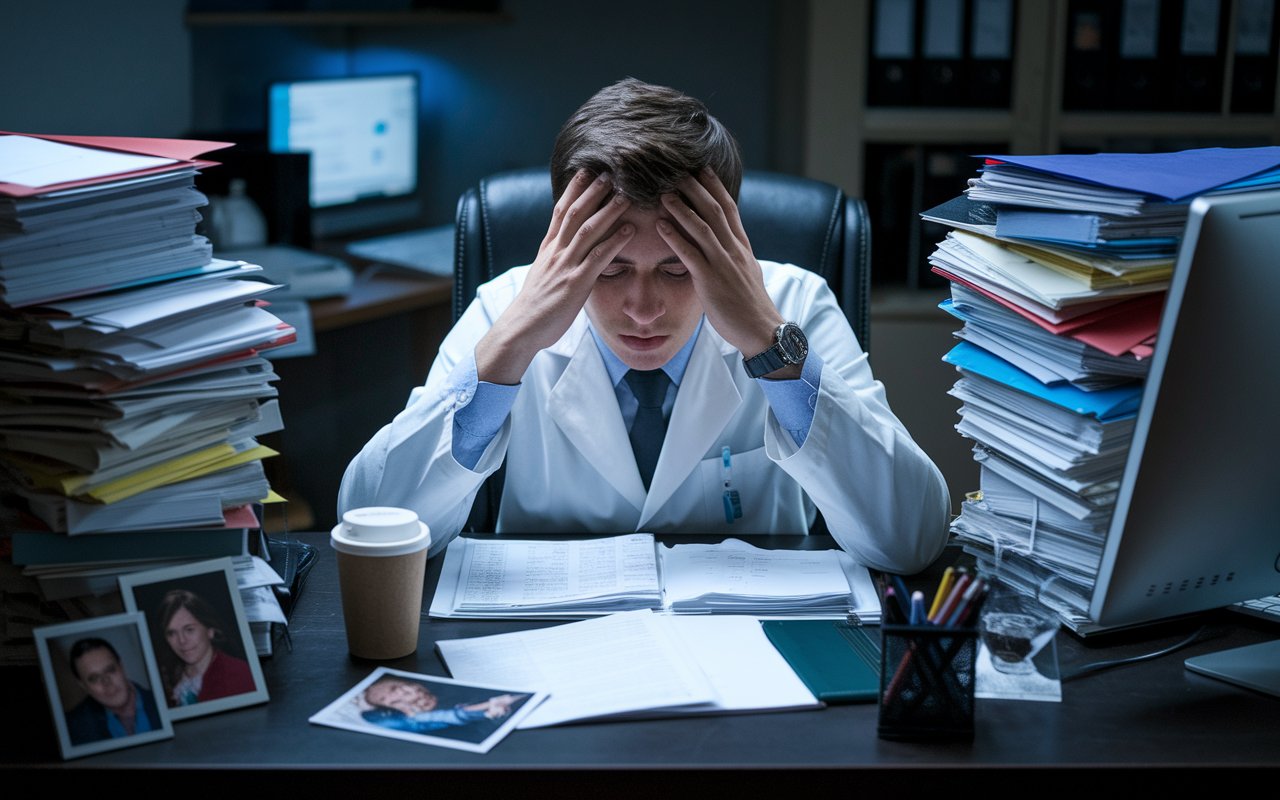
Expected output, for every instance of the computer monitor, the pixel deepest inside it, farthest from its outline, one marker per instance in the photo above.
(1196, 524)
(362, 134)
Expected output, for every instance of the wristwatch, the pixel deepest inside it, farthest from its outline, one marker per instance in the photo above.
(789, 347)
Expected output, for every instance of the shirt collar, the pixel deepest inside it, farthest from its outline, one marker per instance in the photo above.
(674, 368)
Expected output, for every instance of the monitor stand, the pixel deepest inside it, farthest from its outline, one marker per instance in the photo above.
(1254, 667)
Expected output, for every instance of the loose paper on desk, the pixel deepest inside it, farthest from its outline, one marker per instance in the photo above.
(633, 665)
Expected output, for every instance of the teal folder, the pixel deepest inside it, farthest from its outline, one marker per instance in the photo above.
(840, 663)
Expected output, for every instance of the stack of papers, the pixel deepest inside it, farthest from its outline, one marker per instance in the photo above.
(1115, 202)
(736, 578)
(635, 665)
(1058, 267)
(508, 578)
(133, 385)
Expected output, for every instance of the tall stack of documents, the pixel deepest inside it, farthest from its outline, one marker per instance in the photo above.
(1058, 267)
(133, 384)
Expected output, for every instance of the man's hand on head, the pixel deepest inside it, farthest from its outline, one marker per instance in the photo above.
(709, 238)
(580, 243)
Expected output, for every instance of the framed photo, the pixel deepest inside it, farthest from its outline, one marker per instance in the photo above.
(103, 684)
(429, 710)
(200, 635)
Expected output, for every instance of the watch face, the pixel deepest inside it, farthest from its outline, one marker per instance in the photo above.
(792, 343)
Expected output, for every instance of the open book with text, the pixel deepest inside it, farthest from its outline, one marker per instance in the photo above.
(572, 579)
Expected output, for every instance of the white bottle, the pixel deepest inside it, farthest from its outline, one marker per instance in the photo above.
(235, 221)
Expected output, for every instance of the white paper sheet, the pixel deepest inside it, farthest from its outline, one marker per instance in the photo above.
(39, 162)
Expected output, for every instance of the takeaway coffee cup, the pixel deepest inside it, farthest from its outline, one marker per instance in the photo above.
(382, 556)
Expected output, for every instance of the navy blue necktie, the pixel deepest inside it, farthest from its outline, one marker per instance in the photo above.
(649, 428)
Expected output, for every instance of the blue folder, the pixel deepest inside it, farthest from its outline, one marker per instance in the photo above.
(1172, 176)
(1106, 405)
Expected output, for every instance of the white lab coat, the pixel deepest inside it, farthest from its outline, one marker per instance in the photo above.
(569, 462)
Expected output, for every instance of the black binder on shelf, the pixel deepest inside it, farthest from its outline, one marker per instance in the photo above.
(891, 73)
(990, 37)
(1253, 74)
(1201, 29)
(1092, 41)
(1142, 56)
(943, 71)
(941, 53)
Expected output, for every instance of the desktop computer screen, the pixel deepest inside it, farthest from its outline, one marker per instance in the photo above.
(1197, 525)
(361, 132)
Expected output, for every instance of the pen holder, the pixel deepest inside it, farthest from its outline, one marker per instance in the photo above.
(926, 682)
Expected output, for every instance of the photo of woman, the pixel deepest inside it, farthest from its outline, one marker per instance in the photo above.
(193, 668)
(200, 634)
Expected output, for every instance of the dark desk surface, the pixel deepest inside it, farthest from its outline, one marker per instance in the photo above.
(1154, 714)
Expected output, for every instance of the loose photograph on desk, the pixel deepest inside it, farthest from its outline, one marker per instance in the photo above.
(430, 710)
(201, 637)
(102, 682)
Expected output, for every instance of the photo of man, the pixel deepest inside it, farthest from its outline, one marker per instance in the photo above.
(101, 680)
(406, 705)
(428, 709)
(116, 706)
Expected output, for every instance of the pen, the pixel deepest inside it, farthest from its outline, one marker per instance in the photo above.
(953, 599)
(917, 608)
(904, 597)
(972, 608)
(891, 607)
(962, 608)
(944, 586)
(732, 501)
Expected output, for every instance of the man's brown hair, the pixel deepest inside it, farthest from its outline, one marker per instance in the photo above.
(649, 137)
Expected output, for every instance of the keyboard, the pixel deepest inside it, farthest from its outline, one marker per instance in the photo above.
(1264, 607)
(429, 250)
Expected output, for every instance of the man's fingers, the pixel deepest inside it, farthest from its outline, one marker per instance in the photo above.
(688, 253)
(593, 230)
(710, 209)
(584, 208)
(602, 254)
(711, 182)
(577, 185)
(694, 226)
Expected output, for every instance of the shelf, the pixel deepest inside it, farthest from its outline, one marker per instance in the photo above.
(319, 18)
(1159, 125)
(935, 125)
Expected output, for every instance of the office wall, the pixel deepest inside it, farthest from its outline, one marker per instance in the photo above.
(494, 95)
(118, 68)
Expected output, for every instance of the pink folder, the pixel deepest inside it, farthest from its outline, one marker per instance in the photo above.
(1126, 326)
(185, 150)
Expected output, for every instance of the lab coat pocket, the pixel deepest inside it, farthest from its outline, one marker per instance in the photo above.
(770, 499)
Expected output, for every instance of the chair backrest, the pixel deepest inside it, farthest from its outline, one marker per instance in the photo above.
(788, 219)
(800, 221)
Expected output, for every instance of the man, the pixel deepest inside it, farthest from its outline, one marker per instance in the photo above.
(116, 706)
(409, 706)
(640, 374)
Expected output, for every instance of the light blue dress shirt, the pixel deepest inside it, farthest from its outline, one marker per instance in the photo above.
(141, 723)
(488, 404)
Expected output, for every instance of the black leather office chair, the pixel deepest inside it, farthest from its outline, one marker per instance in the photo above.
(788, 219)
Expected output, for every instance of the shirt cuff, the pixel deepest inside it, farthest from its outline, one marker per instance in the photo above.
(482, 408)
(793, 402)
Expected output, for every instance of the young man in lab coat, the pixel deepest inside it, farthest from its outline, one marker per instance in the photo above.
(645, 309)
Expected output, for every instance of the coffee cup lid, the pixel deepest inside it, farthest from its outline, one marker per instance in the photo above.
(343, 543)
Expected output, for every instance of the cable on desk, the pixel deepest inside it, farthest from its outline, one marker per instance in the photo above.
(1089, 669)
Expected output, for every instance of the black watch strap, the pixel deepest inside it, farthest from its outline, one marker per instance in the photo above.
(789, 347)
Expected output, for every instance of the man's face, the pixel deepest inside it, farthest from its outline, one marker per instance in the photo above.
(103, 678)
(403, 696)
(644, 305)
